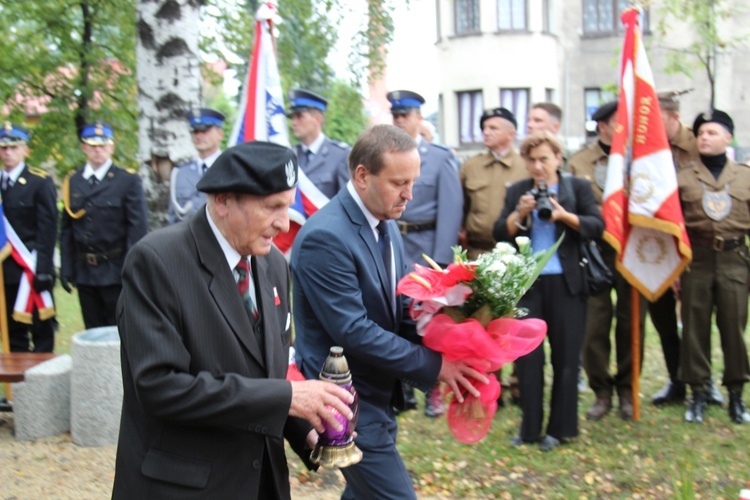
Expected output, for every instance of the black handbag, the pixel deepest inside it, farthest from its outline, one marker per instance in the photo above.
(598, 275)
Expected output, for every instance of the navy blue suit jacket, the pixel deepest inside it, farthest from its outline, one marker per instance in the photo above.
(341, 298)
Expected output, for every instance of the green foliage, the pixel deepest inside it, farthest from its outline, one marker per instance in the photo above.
(345, 117)
(706, 20)
(65, 63)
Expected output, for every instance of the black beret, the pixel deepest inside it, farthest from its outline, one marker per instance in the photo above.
(205, 118)
(403, 101)
(605, 111)
(255, 167)
(499, 113)
(715, 116)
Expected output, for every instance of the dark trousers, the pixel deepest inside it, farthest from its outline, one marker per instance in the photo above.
(381, 474)
(597, 344)
(550, 300)
(715, 281)
(664, 317)
(98, 304)
(22, 335)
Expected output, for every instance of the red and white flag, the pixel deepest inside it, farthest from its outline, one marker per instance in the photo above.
(641, 207)
(261, 118)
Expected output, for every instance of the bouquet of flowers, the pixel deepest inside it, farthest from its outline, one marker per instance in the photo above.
(468, 312)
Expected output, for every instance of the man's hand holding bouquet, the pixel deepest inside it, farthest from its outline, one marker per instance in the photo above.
(468, 312)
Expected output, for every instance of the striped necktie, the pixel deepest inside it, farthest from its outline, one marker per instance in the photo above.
(243, 285)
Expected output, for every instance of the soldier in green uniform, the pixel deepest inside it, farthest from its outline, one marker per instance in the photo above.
(715, 197)
(485, 178)
(591, 163)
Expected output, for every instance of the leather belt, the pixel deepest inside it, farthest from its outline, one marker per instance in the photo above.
(94, 259)
(481, 244)
(414, 227)
(718, 244)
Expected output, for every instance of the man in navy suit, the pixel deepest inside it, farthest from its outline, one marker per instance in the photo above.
(344, 294)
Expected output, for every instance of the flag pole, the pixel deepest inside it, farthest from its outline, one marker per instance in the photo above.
(4, 327)
(635, 328)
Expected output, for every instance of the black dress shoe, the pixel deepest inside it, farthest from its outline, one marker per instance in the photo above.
(737, 411)
(697, 408)
(673, 392)
(517, 441)
(549, 443)
(714, 394)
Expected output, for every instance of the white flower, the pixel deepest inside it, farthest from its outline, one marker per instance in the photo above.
(504, 248)
(523, 243)
(497, 267)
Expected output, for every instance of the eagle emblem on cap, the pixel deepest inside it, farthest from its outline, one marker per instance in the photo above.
(291, 176)
(98, 129)
(8, 127)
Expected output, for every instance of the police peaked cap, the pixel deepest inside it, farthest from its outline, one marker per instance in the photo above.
(97, 133)
(302, 100)
(604, 112)
(715, 116)
(256, 167)
(498, 113)
(403, 101)
(205, 118)
(11, 134)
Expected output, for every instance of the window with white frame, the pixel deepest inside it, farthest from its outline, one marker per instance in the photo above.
(511, 15)
(603, 16)
(467, 16)
(470, 108)
(517, 101)
(593, 98)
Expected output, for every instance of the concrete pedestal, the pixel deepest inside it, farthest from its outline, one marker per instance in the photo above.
(41, 403)
(96, 387)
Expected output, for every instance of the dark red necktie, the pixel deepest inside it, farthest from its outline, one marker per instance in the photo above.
(243, 285)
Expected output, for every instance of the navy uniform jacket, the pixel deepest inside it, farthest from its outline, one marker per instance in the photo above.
(437, 196)
(341, 299)
(30, 207)
(328, 170)
(203, 403)
(184, 198)
(114, 221)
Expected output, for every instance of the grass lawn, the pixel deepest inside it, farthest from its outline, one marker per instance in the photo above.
(658, 457)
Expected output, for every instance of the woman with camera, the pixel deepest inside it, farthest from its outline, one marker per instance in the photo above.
(543, 208)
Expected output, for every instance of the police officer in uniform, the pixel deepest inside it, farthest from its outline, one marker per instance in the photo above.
(715, 197)
(207, 133)
(29, 204)
(485, 178)
(432, 218)
(105, 215)
(321, 159)
(591, 163)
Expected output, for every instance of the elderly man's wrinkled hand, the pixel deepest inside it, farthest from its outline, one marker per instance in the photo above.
(316, 401)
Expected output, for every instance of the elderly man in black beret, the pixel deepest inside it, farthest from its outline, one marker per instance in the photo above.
(716, 206)
(204, 319)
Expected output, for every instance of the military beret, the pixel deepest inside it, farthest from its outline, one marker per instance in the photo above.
(498, 113)
(715, 116)
(205, 118)
(11, 134)
(670, 99)
(255, 167)
(97, 133)
(302, 100)
(605, 111)
(403, 101)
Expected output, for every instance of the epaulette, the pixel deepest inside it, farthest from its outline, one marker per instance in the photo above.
(130, 171)
(341, 144)
(38, 172)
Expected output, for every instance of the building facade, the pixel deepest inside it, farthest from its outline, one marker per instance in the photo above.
(514, 53)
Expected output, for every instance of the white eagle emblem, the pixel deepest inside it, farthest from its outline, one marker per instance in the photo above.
(291, 174)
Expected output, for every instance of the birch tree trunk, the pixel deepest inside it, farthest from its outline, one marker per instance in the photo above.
(169, 84)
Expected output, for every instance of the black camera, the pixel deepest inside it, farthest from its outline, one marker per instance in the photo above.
(544, 207)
